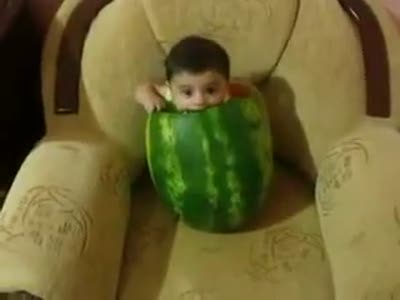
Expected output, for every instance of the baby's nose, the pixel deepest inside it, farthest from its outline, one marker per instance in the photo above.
(199, 99)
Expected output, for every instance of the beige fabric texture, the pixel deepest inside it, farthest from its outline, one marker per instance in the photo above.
(141, 31)
(317, 92)
(63, 225)
(281, 255)
(357, 195)
(70, 229)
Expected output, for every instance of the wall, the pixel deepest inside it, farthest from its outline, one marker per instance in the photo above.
(21, 118)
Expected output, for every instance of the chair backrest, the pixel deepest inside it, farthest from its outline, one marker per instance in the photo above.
(127, 42)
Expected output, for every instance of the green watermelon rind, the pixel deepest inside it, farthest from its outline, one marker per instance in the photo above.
(214, 214)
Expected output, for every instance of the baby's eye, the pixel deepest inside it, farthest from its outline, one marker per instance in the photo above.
(210, 90)
(187, 93)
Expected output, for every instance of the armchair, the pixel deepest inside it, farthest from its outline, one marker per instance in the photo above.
(72, 204)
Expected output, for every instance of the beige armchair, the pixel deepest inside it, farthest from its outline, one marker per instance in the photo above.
(82, 220)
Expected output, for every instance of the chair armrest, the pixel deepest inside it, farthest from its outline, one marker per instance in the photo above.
(358, 194)
(63, 223)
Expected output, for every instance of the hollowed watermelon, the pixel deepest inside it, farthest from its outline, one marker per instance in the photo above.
(212, 167)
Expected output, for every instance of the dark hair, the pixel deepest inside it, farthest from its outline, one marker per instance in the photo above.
(196, 54)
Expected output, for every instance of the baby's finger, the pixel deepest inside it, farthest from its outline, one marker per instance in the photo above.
(148, 107)
(159, 105)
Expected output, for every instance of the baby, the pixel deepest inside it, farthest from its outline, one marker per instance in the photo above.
(197, 72)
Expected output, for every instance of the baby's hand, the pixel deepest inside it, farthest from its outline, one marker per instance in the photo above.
(152, 103)
(147, 95)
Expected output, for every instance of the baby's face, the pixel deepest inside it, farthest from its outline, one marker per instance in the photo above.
(197, 91)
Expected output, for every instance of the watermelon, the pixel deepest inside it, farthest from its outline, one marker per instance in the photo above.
(212, 167)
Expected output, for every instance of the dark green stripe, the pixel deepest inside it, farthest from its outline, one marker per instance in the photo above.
(211, 122)
(165, 165)
(197, 210)
(248, 167)
(262, 138)
(157, 164)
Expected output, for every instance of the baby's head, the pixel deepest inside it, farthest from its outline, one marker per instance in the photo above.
(198, 71)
